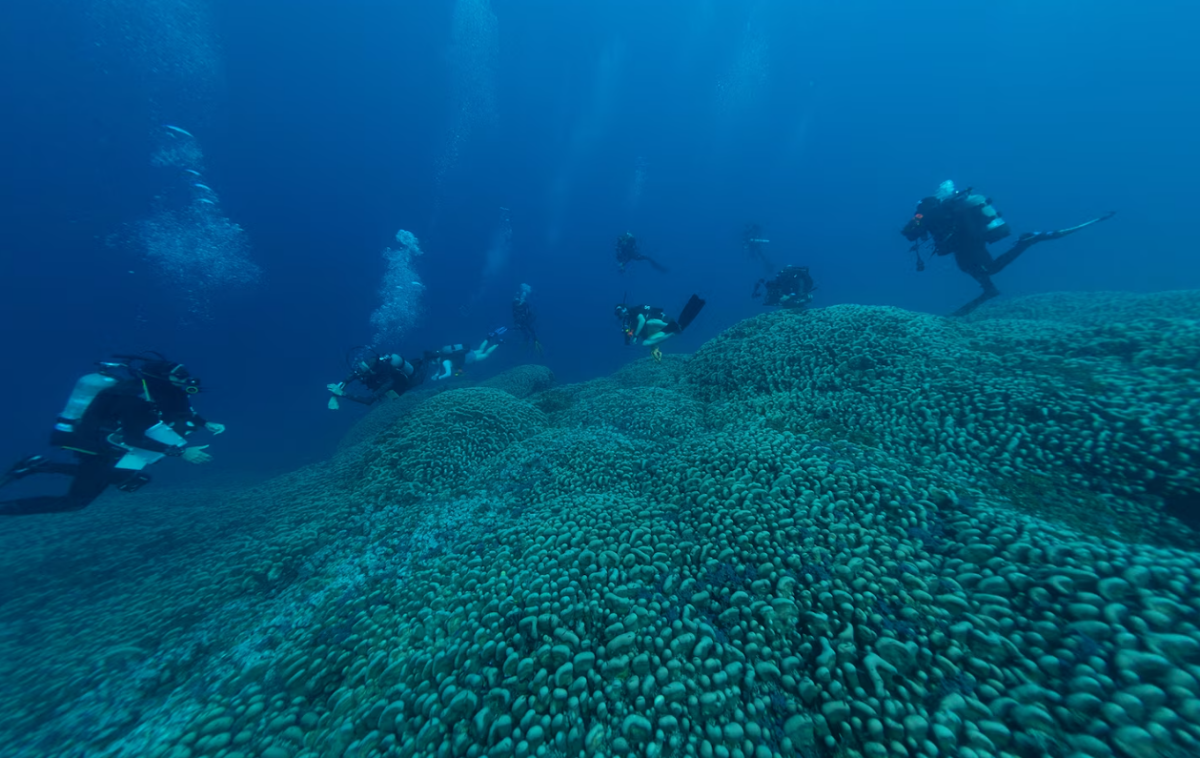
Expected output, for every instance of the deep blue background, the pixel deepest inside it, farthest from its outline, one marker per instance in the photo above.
(325, 128)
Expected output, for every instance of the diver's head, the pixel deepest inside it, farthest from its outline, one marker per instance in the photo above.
(945, 190)
(621, 311)
(174, 373)
(916, 226)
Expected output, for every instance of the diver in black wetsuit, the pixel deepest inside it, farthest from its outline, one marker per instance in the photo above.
(116, 427)
(452, 359)
(382, 375)
(628, 252)
(650, 325)
(963, 224)
(524, 317)
(790, 288)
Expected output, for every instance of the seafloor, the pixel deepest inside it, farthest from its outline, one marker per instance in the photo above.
(854, 531)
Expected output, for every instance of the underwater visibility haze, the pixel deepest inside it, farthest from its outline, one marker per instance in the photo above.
(536, 379)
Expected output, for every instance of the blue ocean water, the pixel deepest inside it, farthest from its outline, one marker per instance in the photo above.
(517, 139)
(326, 130)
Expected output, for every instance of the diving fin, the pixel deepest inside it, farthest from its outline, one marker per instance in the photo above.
(690, 311)
(135, 482)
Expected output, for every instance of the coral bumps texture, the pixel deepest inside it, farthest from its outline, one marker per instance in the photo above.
(846, 532)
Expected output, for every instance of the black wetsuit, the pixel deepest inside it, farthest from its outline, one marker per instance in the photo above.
(792, 287)
(628, 252)
(523, 318)
(383, 379)
(629, 322)
(958, 228)
(126, 410)
(456, 354)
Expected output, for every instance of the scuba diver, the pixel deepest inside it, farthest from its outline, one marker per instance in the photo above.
(790, 288)
(452, 359)
(116, 427)
(651, 325)
(963, 224)
(753, 243)
(627, 252)
(382, 375)
(523, 317)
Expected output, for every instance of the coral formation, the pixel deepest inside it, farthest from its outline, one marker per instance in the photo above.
(844, 532)
(522, 381)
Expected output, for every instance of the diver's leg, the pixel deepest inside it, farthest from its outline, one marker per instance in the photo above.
(66, 469)
(652, 342)
(1029, 239)
(656, 330)
(36, 464)
(986, 296)
(655, 264)
(92, 475)
(976, 262)
(989, 291)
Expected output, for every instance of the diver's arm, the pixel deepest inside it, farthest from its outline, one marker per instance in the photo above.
(374, 397)
(134, 420)
(641, 325)
(368, 399)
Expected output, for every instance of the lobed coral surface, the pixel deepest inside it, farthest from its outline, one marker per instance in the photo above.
(853, 531)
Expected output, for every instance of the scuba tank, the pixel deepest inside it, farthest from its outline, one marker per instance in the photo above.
(996, 228)
(86, 390)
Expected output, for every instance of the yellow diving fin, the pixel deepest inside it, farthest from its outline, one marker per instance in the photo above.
(657, 354)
